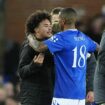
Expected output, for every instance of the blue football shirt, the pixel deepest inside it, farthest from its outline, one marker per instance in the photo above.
(70, 49)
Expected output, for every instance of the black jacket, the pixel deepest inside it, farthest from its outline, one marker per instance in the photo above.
(91, 65)
(35, 79)
(99, 80)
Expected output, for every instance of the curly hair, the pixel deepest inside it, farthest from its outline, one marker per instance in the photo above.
(34, 20)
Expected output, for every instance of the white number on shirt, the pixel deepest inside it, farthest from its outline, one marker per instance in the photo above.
(82, 52)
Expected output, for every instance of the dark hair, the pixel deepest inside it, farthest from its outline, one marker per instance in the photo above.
(69, 15)
(34, 20)
(56, 10)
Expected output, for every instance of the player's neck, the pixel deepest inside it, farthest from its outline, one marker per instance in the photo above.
(66, 27)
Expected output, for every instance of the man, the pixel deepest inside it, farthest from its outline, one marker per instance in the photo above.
(99, 79)
(55, 14)
(69, 48)
(55, 20)
(91, 61)
(36, 70)
(91, 65)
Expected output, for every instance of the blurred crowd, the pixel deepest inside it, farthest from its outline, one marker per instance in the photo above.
(9, 80)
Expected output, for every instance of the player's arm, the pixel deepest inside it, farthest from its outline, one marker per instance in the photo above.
(36, 45)
(92, 45)
(54, 44)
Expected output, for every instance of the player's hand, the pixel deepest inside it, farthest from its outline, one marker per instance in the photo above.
(33, 42)
(39, 59)
(90, 96)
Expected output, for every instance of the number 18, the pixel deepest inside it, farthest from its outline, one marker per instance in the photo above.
(82, 52)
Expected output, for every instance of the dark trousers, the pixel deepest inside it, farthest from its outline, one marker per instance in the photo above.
(33, 95)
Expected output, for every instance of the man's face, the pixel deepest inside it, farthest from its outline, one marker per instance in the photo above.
(55, 19)
(44, 30)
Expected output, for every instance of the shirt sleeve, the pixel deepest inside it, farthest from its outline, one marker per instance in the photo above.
(91, 45)
(55, 43)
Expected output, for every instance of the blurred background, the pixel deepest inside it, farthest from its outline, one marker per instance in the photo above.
(13, 14)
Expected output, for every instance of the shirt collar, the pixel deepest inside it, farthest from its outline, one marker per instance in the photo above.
(72, 29)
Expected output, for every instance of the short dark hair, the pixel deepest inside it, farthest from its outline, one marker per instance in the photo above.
(56, 10)
(69, 15)
(34, 20)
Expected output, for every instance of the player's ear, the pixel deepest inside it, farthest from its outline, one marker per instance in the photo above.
(63, 21)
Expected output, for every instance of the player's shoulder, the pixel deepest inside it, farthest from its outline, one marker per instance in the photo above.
(84, 34)
(57, 35)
